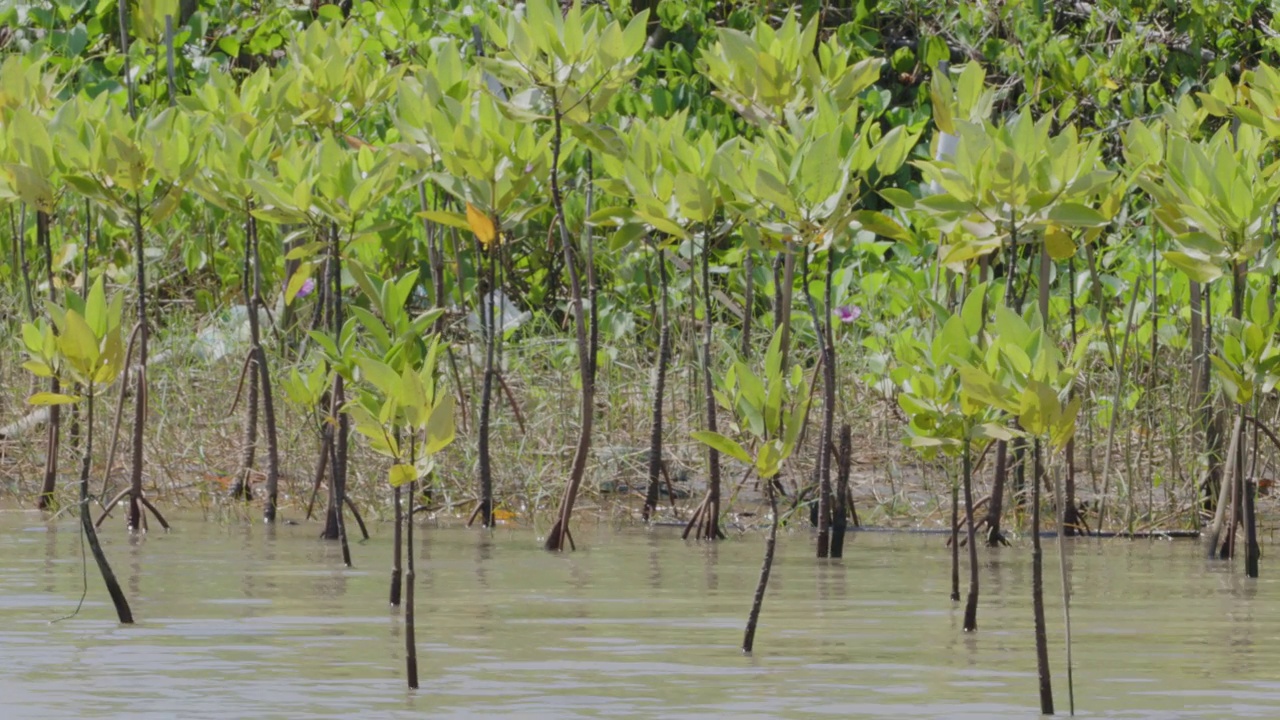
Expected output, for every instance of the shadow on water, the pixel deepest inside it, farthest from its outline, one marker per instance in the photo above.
(247, 621)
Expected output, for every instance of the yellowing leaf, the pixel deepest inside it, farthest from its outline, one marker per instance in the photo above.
(482, 225)
(1058, 243)
(400, 474)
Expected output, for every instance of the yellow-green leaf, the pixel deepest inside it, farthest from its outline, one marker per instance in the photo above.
(400, 474)
(440, 426)
(1059, 243)
(37, 368)
(48, 398)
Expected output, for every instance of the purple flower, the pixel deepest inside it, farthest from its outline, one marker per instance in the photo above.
(307, 286)
(848, 313)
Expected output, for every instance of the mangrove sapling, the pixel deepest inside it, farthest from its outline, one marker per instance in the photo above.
(391, 408)
(86, 349)
(1227, 236)
(136, 168)
(32, 177)
(478, 155)
(944, 416)
(760, 405)
(1247, 366)
(230, 166)
(1015, 185)
(571, 62)
(1032, 392)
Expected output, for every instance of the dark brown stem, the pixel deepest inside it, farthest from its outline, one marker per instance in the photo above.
(996, 538)
(971, 603)
(55, 411)
(140, 396)
(659, 385)
(1037, 593)
(410, 641)
(749, 638)
(123, 612)
(559, 534)
(397, 547)
(322, 464)
(264, 376)
(843, 501)
(955, 542)
(486, 310)
(709, 527)
(748, 302)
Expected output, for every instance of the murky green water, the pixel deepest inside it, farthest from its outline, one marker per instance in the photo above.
(238, 622)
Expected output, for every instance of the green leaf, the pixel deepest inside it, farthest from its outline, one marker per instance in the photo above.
(96, 309)
(983, 388)
(720, 443)
(1077, 215)
(882, 225)
(1198, 269)
(451, 219)
(381, 375)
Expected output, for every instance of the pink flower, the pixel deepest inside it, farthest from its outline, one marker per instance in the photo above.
(307, 286)
(848, 313)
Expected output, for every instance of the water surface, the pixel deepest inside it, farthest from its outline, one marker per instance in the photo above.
(247, 622)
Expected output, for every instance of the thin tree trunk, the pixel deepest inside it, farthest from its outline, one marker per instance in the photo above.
(840, 521)
(1037, 593)
(55, 411)
(20, 239)
(140, 396)
(90, 532)
(1066, 597)
(486, 391)
(397, 550)
(410, 639)
(783, 315)
(241, 489)
(955, 541)
(996, 507)
(749, 638)
(559, 535)
(748, 301)
(338, 466)
(659, 385)
(264, 380)
(971, 603)
(1213, 539)
(705, 523)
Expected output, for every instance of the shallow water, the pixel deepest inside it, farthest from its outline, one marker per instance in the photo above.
(243, 622)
